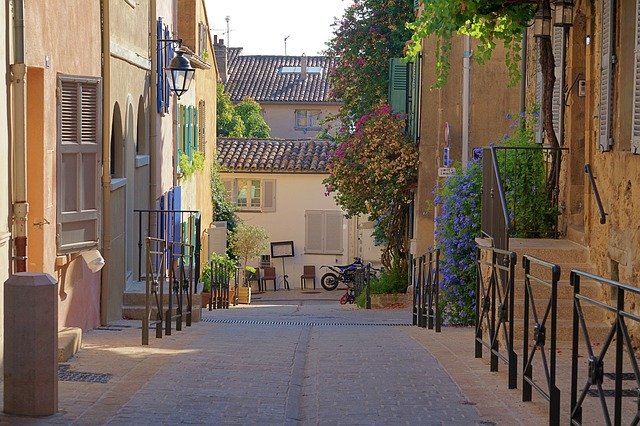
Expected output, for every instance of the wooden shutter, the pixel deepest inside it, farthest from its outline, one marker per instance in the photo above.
(635, 131)
(160, 55)
(202, 134)
(398, 85)
(168, 55)
(179, 136)
(230, 187)
(333, 232)
(314, 224)
(79, 138)
(268, 191)
(196, 129)
(604, 129)
(558, 89)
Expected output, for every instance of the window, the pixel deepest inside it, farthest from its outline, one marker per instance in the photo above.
(323, 232)
(164, 55)
(307, 119)
(187, 133)
(78, 147)
(298, 70)
(252, 194)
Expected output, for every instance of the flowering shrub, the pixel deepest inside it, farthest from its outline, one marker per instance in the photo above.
(457, 225)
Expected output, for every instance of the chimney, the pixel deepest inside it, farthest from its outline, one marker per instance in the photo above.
(220, 51)
(303, 66)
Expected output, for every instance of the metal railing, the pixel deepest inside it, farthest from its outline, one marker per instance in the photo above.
(520, 192)
(494, 308)
(545, 276)
(155, 277)
(221, 274)
(182, 286)
(417, 268)
(426, 290)
(621, 309)
(596, 194)
(361, 283)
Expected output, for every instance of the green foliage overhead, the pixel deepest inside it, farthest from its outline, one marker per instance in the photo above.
(364, 39)
(488, 21)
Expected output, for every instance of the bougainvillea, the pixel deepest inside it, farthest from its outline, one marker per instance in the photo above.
(364, 39)
(374, 170)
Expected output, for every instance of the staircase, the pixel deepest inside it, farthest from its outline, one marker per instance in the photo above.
(568, 255)
(133, 302)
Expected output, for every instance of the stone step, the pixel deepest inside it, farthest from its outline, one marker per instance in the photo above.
(556, 251)
(565, 290)
(69, 342)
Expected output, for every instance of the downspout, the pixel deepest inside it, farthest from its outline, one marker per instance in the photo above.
(523, 74)
(19, 146)
(106, 159)
(153, 100)
(466, 65)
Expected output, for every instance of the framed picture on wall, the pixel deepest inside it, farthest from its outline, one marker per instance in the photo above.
(282, 249)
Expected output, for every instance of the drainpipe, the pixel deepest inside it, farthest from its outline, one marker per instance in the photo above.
(19, 146)
(523, 75)
(466, 65)
(153, 184)
(106, 159)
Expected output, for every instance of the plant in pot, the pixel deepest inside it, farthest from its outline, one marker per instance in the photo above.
(247, 242)
(207, 276)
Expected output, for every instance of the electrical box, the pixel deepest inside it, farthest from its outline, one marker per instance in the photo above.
(582, 88)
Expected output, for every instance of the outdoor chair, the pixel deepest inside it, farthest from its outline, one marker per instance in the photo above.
(268, 274)
(254, 277)
(308, 273)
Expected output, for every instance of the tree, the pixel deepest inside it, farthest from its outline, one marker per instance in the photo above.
(490, 21)
(228, 121)
(369, 33)
(373, 172)
(251, 114)
(248, 241)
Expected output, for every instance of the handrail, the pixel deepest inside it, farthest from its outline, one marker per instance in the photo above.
(503, 198)
(594, 188)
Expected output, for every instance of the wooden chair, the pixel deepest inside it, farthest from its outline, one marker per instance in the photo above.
(268, 274)
(254, 277)
(308, 273)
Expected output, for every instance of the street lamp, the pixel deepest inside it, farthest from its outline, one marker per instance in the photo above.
(542, 23)
(180, 70)
(563, 13)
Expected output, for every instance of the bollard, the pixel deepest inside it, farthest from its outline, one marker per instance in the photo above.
(31, 344)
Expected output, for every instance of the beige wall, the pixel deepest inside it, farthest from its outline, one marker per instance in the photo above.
(281, 119)
(72, 52)
(5, 242)
(489, 104)
(295, 193)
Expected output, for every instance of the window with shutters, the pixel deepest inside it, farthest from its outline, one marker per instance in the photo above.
(323, 232)
(307, 119)
(187, 136)
(165, 52)
(78, 152)
(258, 195)
(398, 85)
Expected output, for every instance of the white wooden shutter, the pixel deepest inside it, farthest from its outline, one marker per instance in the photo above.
(635, 131)
(333, 232)
(268, 191)
(79, 138)
(230, 186)
(604, 128)
(314, 224)
(558, 89)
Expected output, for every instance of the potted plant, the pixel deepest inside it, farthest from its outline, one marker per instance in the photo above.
(206, 278)
(247, 242)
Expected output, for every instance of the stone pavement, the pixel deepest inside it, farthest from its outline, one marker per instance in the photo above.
(290, 357)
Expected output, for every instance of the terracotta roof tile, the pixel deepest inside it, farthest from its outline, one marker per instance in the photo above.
(260, 78)
(273, 155)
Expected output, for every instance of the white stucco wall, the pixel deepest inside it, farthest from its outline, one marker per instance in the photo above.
(295, 193)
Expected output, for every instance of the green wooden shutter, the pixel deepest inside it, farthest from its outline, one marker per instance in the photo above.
(635, 131)
(398, 85)
(178, 137)
(604, 129)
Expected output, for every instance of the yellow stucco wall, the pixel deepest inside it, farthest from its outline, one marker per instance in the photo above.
(74, 52)
(5, 242)
(281, 118)
(489, 104)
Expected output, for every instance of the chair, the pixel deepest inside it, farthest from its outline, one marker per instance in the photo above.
(308, 273)
(268, 274)
(254, 277)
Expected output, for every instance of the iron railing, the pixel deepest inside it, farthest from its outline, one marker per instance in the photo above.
(361, 283)
(426, 290)
(221, 274)
(520, 193)
(417, 268)
(495, 271)
(181, 269)
(544, 277)
(596, 194)
(621, 308)
(155, 277)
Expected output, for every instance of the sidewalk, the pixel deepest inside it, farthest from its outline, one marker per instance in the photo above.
(245, 360)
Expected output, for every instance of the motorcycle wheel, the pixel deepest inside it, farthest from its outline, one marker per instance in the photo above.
(329, 281)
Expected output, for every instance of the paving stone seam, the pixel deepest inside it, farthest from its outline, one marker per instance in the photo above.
(293, 405)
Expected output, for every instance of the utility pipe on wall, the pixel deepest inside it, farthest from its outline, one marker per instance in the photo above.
(106, 159)
(19, 143)
(153, 90)
(466, 65)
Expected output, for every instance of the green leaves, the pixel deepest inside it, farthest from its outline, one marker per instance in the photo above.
(240, 121)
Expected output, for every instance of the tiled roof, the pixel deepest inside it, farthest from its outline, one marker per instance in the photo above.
(274, 155)
(259, 77)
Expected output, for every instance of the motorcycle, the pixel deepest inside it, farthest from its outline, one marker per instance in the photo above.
(340, 274)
